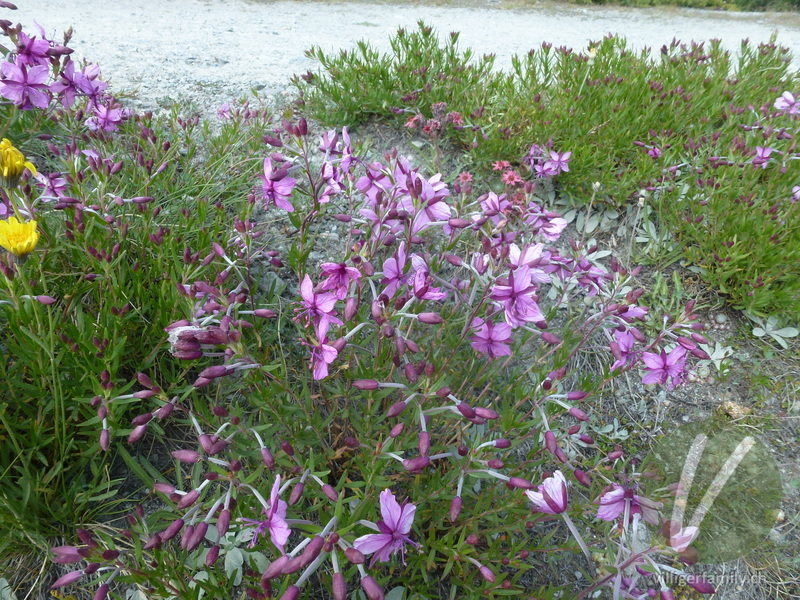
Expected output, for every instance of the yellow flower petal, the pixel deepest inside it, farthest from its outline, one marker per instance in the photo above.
(18, 238)
(12, 164)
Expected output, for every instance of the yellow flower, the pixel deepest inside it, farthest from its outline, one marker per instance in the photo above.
(12, 164)
(18, 238)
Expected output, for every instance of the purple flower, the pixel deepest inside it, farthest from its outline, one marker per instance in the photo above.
(796, 194)
(422, 281)
(224, 111)
(393, 271)
(613, 502)
(105, 117)
(275, 522)
(545, 170)
(316, 308)
(549, 225)
(531, 257)
(517, 298)
(787, 103)
(394, 530)
(622, 349)
(32, 52)
(559, 162)
(494, 205)
(654, 152)
(490, 338)
(761, 159)
(552, 495)
(53, 186)
(25, 87)
(665, 368)
(338, 277)
(67, 86)
(277, 186)
(89, 84)
(321, 356)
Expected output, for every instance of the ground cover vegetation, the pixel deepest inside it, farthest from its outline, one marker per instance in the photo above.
(405, 415)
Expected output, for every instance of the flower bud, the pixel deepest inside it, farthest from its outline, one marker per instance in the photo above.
(354, 556)
(397, 408)
(71, 577)
(173, 530)
(486, 413)
(700, 584)
(197, 537)
(487, 574)
(416, 464)
(455, 509)
(189, 499)
(518, 482)
(617, 453)
(212, 556)
(105, 440)
(411, 373)
(65, 555)
(154, 542)
(291, 593)
(430, 318)
(371, 588)
(267, 458)
(297, 492)
(330, 492)
(365, 384)
(137, 434)
(223, 521)
(424, 443)
(466, 410)
(275, 568)
(578, 414)
(397, 430)
(339, 587)
(186, 456)
(582, 477)
(550, 442)
(549, 338)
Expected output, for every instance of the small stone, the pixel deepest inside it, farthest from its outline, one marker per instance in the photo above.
(734, 410)
(720, 318)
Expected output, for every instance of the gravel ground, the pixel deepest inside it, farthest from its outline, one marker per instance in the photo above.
(214, 50)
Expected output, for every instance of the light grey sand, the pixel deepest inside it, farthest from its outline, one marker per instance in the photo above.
(217, 50)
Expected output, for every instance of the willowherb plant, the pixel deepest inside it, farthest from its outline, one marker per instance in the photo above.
(410, 391)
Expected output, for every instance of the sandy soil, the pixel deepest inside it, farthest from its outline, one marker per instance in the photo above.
(215, 50)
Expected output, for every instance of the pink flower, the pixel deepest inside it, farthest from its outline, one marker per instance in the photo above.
(491, 339)
(622, 349)
(665, 368)
(511, 178)
(517, 298)
(277, 186)
(105, 118)
(394, 530)
(25, 87)
(393, 271)
(761, 159)
(338, 277)
(552, 495)
(787, 103)
(501, 165)
(613, 502)
(321, 356)
(275, 522)
(32, 52)
(316, 309)
(559, 162)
